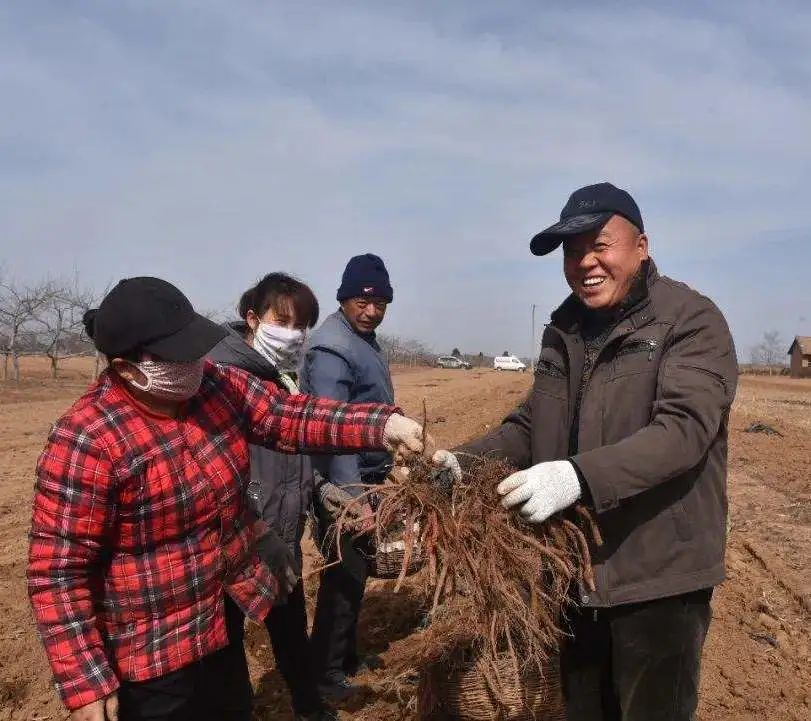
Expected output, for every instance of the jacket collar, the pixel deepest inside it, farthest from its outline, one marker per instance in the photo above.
(568, 317)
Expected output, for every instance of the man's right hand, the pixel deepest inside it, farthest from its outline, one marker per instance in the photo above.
(335, 499)
(104, 709)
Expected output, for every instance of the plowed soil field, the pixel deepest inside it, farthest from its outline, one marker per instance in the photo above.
(757, 662)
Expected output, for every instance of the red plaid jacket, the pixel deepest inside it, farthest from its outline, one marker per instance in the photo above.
(140, 524)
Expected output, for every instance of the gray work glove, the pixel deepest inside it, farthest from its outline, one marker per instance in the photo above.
(335, 499)
(281, 561)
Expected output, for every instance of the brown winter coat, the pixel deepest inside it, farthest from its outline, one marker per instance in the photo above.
(652, 442)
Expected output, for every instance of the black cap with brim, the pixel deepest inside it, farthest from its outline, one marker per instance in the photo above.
(190, 343)
(547, 240)
(149, 314)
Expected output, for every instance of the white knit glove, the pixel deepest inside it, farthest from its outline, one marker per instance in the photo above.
(446, 460)
(334, 499)
(403, 437)
(544, 489)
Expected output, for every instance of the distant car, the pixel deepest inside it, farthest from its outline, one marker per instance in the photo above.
(508, 363)
(451, 361)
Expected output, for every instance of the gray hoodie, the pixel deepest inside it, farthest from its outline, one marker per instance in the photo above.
(284, 481)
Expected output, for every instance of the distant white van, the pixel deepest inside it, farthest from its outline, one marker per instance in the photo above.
(508, 363)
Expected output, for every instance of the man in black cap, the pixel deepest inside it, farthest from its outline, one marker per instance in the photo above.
(628, 415)
(142, 559)
(344, 361)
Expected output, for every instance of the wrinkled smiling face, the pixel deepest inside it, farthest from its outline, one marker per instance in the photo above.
(365, 314)
(600, 266)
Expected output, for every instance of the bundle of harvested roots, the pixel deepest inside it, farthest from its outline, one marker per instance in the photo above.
(492, 583)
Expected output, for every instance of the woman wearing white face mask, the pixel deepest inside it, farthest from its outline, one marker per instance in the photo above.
(268, 341)
(142, 557)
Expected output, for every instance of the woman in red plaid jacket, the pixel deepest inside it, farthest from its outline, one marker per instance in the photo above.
(142, 559)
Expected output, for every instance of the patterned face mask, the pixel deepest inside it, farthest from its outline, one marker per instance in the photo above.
(279, 345)
(169, 380)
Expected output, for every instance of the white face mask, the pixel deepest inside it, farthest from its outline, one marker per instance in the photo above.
(279, 345)
(170, 380)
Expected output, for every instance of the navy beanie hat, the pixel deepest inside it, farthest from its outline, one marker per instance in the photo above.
(365, 276)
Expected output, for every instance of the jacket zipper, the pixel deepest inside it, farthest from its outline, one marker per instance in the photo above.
(651, 345)
(639, 347)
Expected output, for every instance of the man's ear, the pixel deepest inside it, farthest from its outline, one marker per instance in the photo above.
(642, 246)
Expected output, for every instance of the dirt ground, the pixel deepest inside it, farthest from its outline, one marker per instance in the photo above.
(756, 662)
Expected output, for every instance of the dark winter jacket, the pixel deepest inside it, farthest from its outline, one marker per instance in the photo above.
(651, 444)
(345, 365)
(284, 482)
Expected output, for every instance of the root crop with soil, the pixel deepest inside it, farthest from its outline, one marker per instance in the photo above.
(494, 587)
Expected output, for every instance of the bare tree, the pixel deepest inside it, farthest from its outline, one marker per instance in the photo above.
(405, 351)
(18, 308)
(59, 319)
(218, 315)
(769, 352)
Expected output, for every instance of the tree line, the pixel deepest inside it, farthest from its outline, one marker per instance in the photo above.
(43, 318)
(405, 351)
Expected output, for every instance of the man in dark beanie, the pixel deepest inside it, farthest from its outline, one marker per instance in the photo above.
(344, 362)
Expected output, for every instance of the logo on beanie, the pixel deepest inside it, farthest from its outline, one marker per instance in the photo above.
(368, 290)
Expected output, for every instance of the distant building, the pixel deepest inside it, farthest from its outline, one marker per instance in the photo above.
(800, 353)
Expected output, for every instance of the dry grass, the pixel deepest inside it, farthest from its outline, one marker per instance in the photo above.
(775, 401)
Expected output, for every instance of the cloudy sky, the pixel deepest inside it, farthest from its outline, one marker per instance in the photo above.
(211, 142)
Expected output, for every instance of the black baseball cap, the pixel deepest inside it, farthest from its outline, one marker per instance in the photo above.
(587, 209)
(152, 315)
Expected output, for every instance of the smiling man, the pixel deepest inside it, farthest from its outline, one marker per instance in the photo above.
(628, 414)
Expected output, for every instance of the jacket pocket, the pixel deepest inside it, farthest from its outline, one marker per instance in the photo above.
(548, 368)
(639, 355)
(551, 380)
(639, 345)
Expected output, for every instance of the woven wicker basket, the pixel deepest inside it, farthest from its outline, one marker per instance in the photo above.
(464, 693)
(385, 560)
